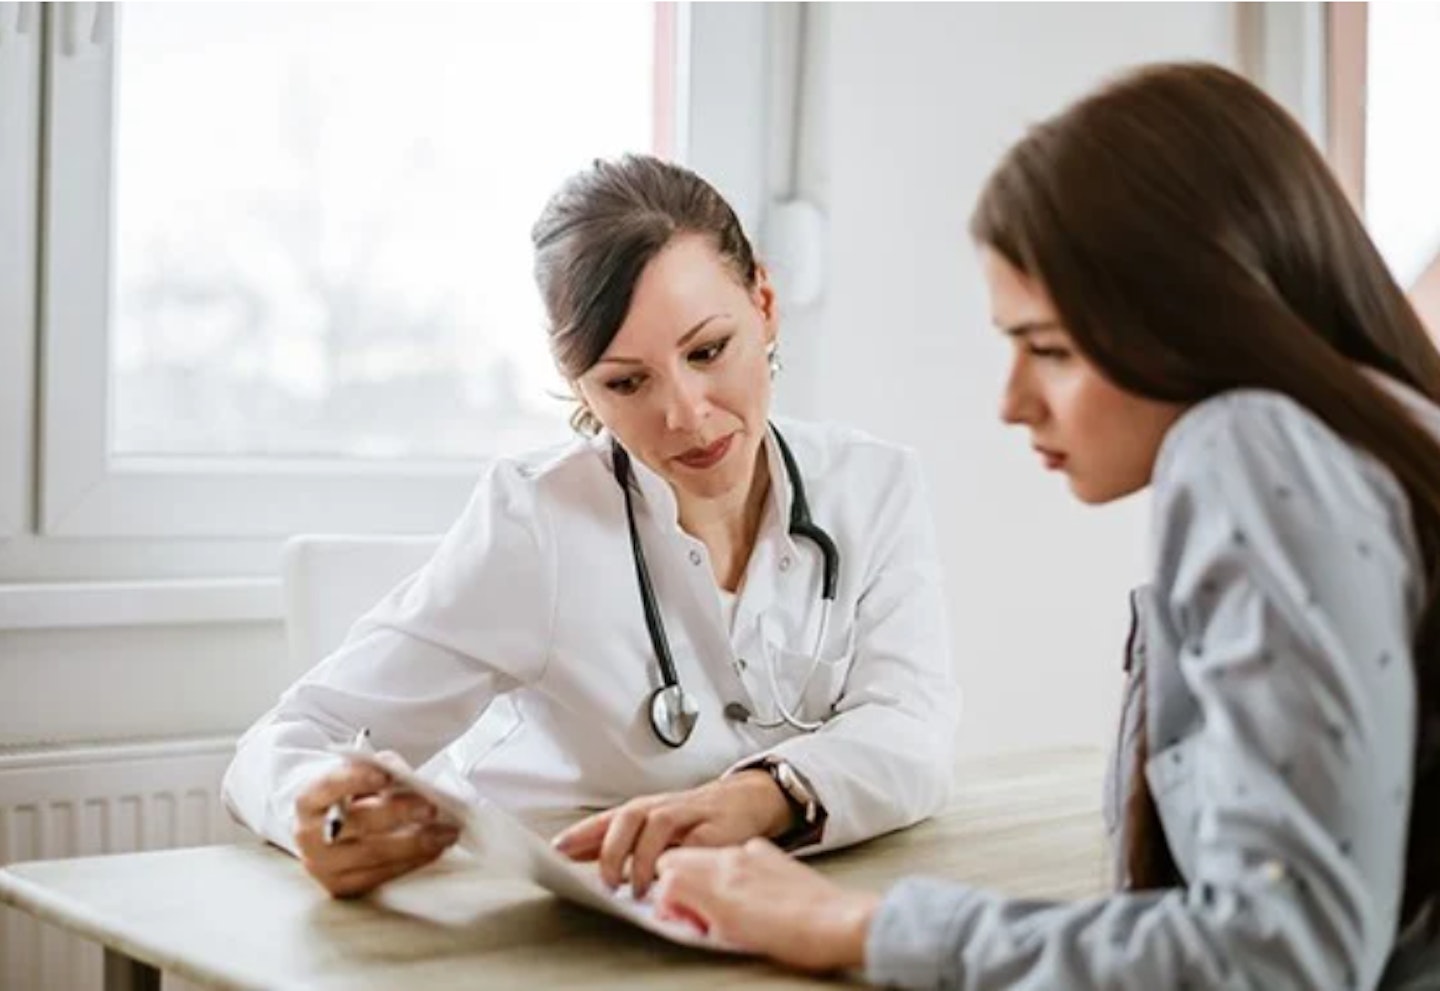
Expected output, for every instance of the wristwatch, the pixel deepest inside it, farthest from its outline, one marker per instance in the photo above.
(807, 815)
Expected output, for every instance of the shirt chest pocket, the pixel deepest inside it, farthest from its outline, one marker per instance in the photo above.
(807, 685)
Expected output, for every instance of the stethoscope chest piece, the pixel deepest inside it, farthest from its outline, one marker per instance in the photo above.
(673, 714)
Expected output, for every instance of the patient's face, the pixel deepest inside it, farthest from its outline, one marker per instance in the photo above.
(685, 384)
(1103, 438)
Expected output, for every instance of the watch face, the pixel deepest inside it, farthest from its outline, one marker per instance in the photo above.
(796, 792)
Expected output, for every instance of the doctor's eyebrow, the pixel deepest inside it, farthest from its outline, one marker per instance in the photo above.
(1027, 327)
(680, 344)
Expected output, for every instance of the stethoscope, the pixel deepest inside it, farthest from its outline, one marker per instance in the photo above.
(673, 712)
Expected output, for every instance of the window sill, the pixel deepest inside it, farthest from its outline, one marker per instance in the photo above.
(91, 605)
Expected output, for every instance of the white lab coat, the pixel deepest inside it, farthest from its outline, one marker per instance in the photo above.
(528, 619)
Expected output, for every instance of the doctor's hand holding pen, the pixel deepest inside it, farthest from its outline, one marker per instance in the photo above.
(353, 832)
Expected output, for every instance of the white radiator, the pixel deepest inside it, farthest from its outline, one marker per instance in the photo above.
(82, 801)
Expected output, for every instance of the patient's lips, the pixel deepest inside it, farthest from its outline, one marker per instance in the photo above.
(1052, 459)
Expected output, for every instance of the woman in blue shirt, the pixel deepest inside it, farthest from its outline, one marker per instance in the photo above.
(1195, 307)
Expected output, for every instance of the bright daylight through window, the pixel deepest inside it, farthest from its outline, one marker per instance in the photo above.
(1402, 153)
(322, 219)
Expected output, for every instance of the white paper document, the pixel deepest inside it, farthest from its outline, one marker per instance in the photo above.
(507, 848)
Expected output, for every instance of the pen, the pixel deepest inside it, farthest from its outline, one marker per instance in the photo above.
(335, 814)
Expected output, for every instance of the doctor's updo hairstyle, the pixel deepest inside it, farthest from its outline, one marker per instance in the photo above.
(596, 235)
(1193, 241)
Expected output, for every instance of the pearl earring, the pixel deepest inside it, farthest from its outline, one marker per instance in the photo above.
(772, 355)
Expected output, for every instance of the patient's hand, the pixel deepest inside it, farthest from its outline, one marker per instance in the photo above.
(758, 899)
(386, 833)
(720, 813)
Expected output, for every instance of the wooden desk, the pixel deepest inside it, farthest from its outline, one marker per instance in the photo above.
(247, 916)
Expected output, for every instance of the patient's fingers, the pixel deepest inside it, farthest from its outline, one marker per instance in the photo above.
(688, 884)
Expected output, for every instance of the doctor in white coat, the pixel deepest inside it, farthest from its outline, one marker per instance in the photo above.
(701, 624)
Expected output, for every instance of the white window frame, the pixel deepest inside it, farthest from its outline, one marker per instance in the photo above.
(85, 492)
(19, 139)
(1281, 47)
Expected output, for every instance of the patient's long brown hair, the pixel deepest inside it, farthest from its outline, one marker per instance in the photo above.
(1193, 241)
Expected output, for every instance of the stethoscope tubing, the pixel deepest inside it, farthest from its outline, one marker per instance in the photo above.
(801, 525)
(653, 625)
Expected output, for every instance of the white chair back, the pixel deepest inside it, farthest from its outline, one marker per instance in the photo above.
(331, 581)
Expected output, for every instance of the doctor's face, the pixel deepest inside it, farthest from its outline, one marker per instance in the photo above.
(1103, 438)
(685, 384)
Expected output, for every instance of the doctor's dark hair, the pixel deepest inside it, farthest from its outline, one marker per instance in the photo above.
(1193, 241)
(596, 235)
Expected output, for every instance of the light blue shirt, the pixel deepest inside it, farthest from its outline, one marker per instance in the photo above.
(1281, 705)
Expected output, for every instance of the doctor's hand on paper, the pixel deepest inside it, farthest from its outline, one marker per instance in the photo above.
(386, 832)
(760, 900)
(721, 813)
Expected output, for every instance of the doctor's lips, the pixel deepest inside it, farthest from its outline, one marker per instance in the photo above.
(1053, 460)
(706, 457)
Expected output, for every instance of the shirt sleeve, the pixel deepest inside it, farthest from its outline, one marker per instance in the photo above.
(421, 666)
(1286, 580)
(886, 758)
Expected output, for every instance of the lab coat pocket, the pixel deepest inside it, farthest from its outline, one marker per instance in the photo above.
(808, 687)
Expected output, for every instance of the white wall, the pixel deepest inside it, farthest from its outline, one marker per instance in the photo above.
(921, 99)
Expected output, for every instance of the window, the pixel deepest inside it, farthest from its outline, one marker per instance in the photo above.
(316, 258)
(285, 246)
(1383, 78)
(19, 134)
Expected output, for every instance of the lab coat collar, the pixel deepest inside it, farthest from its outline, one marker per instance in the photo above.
(659, 497)
(781, 494)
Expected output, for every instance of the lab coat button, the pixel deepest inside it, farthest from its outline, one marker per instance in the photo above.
(741, 664)
(785, 563)
(695, 557)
